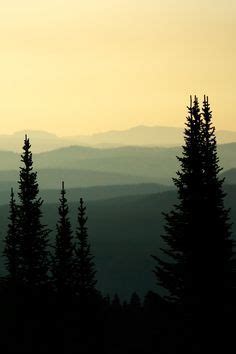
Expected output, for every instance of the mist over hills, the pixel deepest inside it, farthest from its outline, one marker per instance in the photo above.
(135, 136)
(230, 176)
(83, 166)
(139, 136)
(52, 178)
(89, 193)
(149, 136)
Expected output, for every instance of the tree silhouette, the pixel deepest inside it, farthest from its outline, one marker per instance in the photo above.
(34, 263)
(198, 263)
(85, 272)
(217, 224)
(177, 272)
(11, 247)
(63, 259)
(217, 257)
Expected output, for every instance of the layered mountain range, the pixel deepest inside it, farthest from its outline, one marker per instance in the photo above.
(135, 136)
(126, 189)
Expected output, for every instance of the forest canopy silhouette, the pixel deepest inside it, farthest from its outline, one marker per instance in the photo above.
(50, 301)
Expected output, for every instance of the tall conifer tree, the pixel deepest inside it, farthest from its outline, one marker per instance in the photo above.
(11, 247)
(198, 269)
(220, 274)
(178, 272)
(85, 272)
(63, 260)
(33, 234)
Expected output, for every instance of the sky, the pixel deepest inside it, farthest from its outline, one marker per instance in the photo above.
(77, 67)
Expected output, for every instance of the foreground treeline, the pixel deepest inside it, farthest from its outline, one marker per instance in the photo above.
(49, 298)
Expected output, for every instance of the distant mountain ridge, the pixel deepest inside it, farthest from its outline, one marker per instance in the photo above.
(88, 193)
(136, 136)
(51, 178)
(230, 176)
(89, 166)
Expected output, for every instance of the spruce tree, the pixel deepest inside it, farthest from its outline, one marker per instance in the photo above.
(178, 271)
(33, 245)
(198, 268)
(11, 247)
(85, 281)
(220, 275)
(63, 259)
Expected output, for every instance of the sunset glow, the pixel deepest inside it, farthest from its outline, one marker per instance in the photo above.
(77, 67)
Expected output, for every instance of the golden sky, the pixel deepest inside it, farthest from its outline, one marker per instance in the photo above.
(81, 66)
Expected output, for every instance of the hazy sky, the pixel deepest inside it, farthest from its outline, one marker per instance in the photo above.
(83, 66)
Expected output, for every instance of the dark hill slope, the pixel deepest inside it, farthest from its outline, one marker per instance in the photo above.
(124, 233)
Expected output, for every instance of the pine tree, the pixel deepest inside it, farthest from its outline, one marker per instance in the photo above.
(220, 275)
(33, 234)
(198, 268)
(11, 248)
(178, 272)
(63, 259)
(85, 272)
